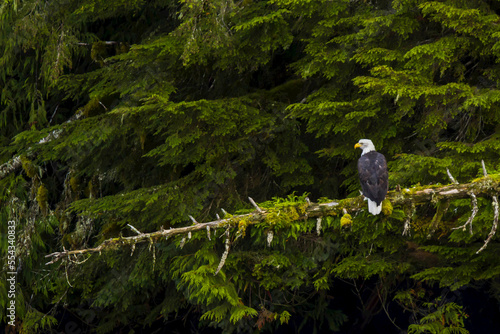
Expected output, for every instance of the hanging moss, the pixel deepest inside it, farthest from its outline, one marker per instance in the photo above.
(242, 227)
(345, 220)
(142, 138)
(121, 48)
(42, 196)
(63, 218)
(92, 108)
(74, 183)
(99, 52)
(92, 189)
(387, 207)
(28, 166)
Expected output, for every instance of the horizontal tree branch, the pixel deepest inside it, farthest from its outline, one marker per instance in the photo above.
(15, 163)
(482, 187)
(10, 166)
(104, 42)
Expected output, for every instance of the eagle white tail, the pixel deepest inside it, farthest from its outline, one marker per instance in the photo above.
(373, 208)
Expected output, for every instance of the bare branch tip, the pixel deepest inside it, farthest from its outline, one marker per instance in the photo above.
(255, 204)
(134, 229)
(493, 227)
(452, 179)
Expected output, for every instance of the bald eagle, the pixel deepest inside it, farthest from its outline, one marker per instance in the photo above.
(373, 175)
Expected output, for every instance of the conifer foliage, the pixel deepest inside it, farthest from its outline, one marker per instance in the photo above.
(122, 118)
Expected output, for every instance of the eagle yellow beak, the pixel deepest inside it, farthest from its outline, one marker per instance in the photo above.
(358, 145)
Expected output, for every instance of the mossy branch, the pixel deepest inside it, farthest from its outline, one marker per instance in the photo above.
(487, 186)
(10, 166)
(15, 163)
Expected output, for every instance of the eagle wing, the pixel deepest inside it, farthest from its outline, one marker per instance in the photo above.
(373, 175)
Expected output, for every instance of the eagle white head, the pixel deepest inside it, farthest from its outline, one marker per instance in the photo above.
(366, 145)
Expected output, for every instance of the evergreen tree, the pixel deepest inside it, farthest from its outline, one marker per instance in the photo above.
(127, 117)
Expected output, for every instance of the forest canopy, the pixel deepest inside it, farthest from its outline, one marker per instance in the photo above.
(121, 118)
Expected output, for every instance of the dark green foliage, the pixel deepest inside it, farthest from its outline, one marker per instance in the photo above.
(145, 112)
(447, 318)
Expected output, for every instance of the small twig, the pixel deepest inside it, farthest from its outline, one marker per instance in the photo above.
(407, 226)
(76, 259)
(472, 216)
(318, 225)
(192, 219)
(255, 204)
(151, 246)
(385, 309)
(225, 232)
(238, 235)
(495, 215)
(134, 229)
(55, 305)
(474, 204)
(370, 251)
(66, 271)
(358, 293)
(451, 177)
(102, 105)
(53, 114)
(495, 224)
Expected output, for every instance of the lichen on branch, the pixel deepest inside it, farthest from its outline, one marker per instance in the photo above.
(482, 187)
